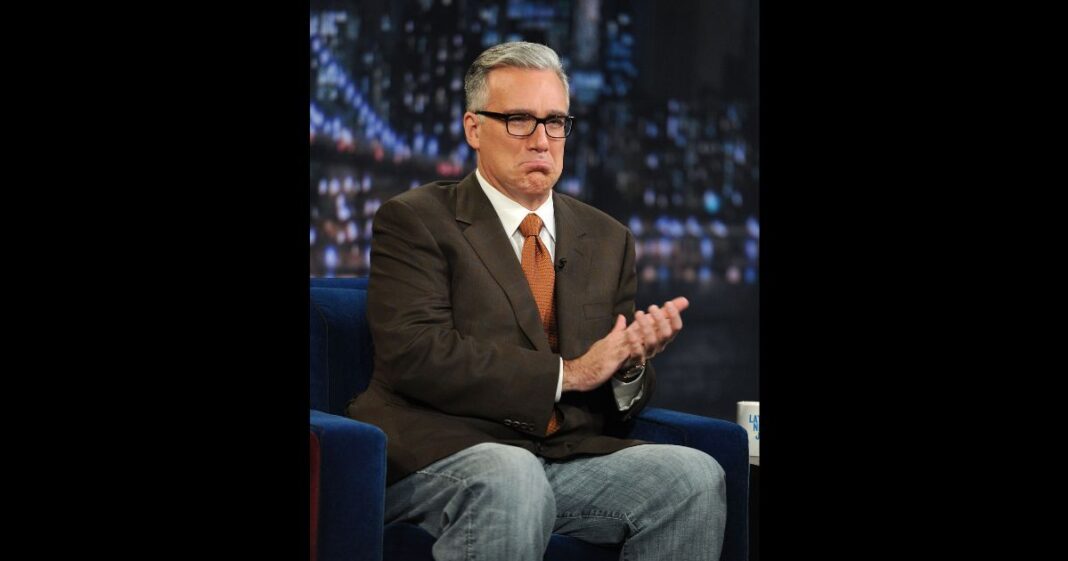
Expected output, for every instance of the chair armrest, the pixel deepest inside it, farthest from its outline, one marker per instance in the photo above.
(725, 441)
(715, 437)
(352, 483)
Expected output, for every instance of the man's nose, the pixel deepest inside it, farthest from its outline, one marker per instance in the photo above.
(539, 139)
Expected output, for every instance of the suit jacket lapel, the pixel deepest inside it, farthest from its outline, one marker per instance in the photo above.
(487, 238)
(571, 248)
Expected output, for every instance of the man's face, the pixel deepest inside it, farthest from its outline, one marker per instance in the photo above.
(524, 168)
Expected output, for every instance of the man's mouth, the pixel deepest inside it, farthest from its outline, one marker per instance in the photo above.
(537, 165)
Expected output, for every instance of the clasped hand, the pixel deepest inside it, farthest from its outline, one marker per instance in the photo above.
(648, 335)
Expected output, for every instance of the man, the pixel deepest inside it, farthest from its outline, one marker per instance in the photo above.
(504, 362)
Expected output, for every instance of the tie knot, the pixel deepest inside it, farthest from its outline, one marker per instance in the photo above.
(531, 225)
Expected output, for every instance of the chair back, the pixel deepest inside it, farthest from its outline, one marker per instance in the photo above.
(341, 356)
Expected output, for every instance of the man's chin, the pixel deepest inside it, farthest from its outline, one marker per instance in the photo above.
(539, 180)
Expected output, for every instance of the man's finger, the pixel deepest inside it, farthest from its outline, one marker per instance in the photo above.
(674, 315)
(663, 325)
(648, 331)
(681, 303)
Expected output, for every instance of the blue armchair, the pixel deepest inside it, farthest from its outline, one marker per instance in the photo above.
(351, 462)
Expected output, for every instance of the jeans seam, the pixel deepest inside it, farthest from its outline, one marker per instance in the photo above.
(460, 480)
(470, 538)
(599, 514)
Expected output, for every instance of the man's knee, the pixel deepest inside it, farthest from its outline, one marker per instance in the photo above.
(692, 471)
(496, 459)
(509, 472)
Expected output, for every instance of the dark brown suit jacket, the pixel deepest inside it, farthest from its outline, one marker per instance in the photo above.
(460, 354)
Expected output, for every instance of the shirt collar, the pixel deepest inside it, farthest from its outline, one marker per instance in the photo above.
(512, 213)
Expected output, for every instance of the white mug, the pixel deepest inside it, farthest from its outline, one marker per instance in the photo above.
(749, 418)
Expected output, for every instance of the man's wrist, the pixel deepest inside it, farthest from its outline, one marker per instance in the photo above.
(629, 374)
(570, 374)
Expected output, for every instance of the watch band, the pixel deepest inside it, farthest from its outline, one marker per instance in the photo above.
(630, 374)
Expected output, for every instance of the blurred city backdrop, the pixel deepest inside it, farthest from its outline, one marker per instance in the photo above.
(666, 140)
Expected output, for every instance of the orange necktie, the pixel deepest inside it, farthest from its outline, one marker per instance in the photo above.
(541, 275)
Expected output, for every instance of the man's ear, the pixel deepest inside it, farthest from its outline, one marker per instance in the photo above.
(471, 130)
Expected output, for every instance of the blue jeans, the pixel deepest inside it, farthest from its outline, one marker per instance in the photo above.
(494, 502)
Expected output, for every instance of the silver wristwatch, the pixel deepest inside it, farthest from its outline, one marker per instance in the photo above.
(630, 374)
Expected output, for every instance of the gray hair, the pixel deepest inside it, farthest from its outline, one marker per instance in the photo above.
(518, 54)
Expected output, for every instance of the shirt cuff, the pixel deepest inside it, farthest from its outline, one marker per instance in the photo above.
(560, 381)
(627, 394)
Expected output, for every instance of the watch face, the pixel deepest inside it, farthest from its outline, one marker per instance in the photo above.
(630, 374)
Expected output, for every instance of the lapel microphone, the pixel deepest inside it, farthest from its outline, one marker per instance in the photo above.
(560, 263)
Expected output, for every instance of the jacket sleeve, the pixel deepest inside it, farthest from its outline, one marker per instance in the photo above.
(628, 287)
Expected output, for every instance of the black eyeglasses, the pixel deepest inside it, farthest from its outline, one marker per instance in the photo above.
(521, 124)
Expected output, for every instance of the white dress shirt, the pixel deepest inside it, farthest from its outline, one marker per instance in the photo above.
(511, 215)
